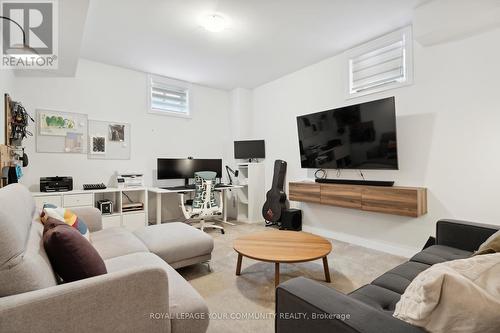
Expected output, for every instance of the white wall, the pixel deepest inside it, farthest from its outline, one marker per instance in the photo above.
(241, 114)
(440, 21)
(6, 85)
(448, 139)
(115, 94)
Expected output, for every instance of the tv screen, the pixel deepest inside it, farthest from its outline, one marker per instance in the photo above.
(249, 149)
(361, 136)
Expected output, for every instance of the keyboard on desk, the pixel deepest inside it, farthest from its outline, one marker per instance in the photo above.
(180, 188)
(191, 187)
(222, 186)
(91, 187)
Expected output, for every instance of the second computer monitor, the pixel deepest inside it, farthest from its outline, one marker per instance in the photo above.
(184, 168)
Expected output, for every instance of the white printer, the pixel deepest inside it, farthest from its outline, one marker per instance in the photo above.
(130, 180)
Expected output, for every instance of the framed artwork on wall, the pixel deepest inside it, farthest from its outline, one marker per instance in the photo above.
(98, 145)
(61, 132)
(57, 124)
(116, 132)
(73, 143)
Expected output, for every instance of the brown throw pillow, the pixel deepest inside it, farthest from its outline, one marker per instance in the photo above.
(71, 255)
(491, 245)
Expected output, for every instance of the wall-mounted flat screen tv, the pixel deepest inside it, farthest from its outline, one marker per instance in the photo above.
(361, 136)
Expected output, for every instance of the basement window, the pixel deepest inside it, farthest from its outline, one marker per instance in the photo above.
(169, 97)
(381, 64)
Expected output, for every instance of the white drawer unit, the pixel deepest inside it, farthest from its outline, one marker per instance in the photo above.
(55, 200)
(73, 199)
(109, 221)
(78, 200)
(134, 221)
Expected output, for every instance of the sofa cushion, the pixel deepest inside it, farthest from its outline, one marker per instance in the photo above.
(398, 279)
(72, 256)
(116, 241)
(92, 217)
(29, 271)
(455, 296)
(17, 209)
(377, 297)
(24, 265)
(188, 311)
(64, 215)
(436, 254)
(491, 245)
(176, 241)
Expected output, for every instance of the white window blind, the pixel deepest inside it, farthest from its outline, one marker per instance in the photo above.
(381, 64)
(169, 97)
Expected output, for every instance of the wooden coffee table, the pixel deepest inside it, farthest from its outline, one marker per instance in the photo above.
(283, 247)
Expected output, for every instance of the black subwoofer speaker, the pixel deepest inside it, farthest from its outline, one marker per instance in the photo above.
(291, 219)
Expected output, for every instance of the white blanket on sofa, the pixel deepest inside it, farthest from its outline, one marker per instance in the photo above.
(456, 296)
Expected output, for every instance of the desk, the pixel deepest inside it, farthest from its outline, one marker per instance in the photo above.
(159, 191)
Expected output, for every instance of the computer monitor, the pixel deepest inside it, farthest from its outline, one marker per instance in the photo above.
(249, 149)
(184, 168)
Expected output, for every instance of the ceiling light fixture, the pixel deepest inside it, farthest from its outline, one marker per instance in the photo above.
(214, 22)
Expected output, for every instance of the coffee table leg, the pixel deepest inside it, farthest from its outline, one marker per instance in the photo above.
(327, 271)
(276, 274)
(238, 265)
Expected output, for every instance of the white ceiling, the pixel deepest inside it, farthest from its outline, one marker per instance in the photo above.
(266, 38)
(72, 15)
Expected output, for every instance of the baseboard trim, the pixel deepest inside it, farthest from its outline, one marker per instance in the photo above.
(402, 251)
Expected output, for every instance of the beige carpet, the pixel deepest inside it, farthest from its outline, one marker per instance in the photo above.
(230, 296)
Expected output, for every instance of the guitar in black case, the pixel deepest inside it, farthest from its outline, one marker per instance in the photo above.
(276, 197)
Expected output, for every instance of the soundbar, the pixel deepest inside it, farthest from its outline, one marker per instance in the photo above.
(355, 182)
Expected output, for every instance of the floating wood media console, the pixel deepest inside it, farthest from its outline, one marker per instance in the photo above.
(407, 201)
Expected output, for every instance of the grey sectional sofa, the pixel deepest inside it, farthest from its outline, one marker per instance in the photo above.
(141, 292)
(370, 307)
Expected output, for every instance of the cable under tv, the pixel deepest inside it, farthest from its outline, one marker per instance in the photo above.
(355, 182)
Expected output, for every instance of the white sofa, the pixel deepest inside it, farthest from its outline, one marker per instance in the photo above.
(141, 292)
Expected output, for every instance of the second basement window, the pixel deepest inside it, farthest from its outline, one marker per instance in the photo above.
(381, 64)
(168, 97)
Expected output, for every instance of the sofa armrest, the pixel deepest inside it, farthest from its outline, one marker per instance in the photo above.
(303, 305)
(463, 235)
(91, 216)
(121, 301)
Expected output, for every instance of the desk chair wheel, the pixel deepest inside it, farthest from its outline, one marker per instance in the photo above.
(222, 231)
